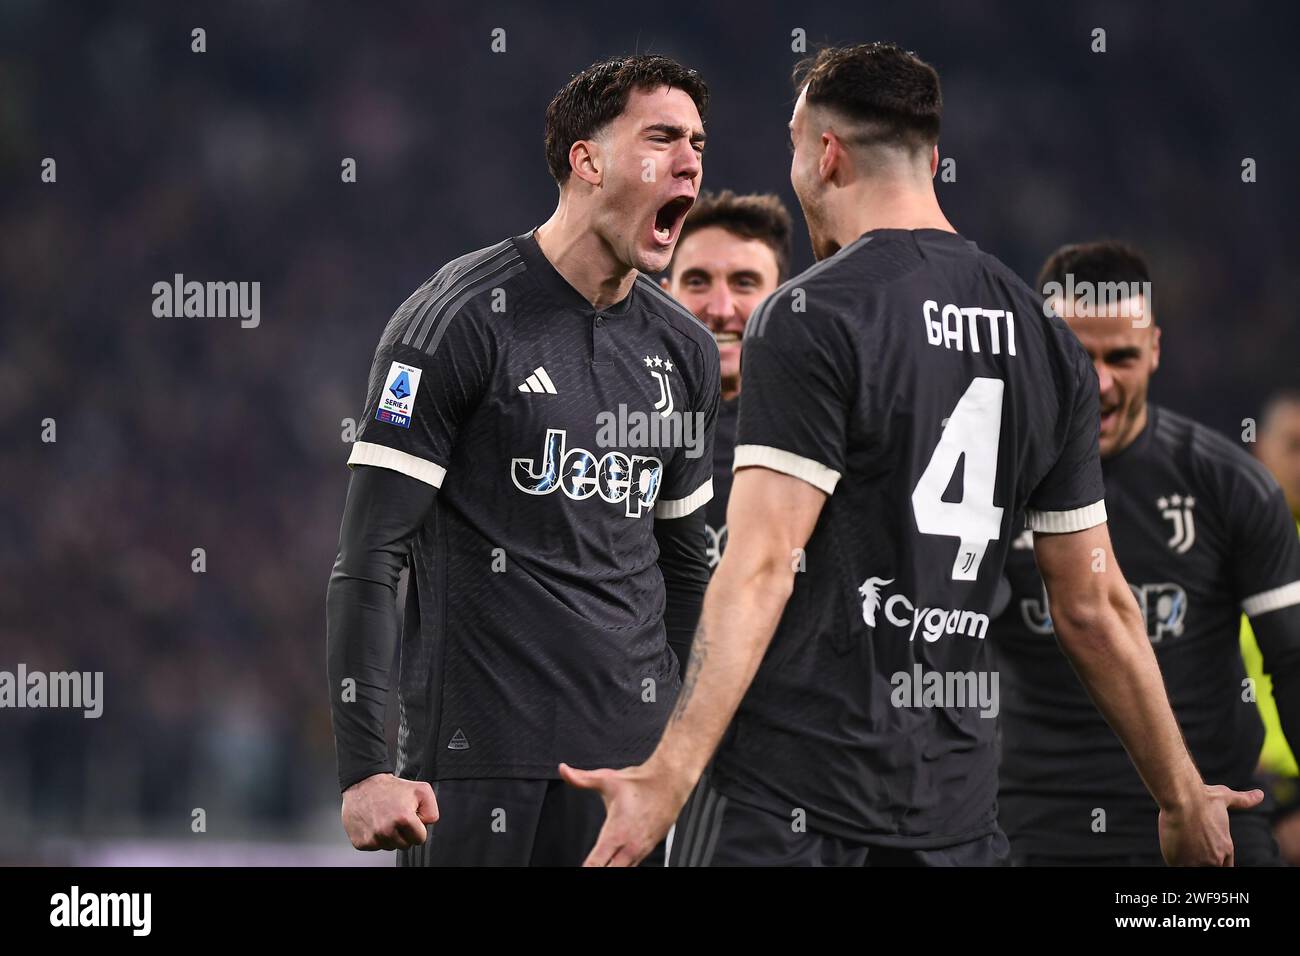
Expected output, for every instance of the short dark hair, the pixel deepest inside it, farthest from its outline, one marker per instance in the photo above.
(880, 84)
(599, 94)
(756, 216)
(1108, 260)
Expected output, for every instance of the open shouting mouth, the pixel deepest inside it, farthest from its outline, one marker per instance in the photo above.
(668, 221)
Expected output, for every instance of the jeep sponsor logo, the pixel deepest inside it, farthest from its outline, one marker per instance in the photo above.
(615, 476)
(1163, 607)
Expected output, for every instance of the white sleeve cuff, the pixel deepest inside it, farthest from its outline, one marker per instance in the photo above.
(1273, 600)
(681, 507)
(1064, 522)
(787, 463)
(381, 456)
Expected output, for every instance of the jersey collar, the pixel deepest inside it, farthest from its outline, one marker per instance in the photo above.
(540, 268)
(917, 236)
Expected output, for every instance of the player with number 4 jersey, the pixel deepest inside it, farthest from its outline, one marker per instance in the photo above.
(903, 399)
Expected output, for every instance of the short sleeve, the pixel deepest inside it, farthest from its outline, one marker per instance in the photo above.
(689, 483)
(418, 400)
(1266, 553)
(1072, 495)
(798, 387)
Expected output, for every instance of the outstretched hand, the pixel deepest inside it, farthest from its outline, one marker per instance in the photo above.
(640, 807)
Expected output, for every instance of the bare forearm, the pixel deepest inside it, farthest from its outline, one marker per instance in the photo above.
(740, 614)
(1114, 659)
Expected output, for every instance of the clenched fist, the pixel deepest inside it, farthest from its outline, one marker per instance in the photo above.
(384, 812)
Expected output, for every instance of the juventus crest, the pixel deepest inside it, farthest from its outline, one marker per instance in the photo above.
(1178, 509)
(664, 406)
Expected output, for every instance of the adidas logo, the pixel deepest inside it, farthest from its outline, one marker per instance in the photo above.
(539, 382)
(458, 741)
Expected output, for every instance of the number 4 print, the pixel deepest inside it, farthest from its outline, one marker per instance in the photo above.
(974, 429)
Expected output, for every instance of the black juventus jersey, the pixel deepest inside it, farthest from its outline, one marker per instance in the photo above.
(715, 512)
(1202, 532)
(917, 382)
(555, 434)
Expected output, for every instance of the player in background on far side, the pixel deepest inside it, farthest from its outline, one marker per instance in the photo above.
(732, 253)
(1202, 533)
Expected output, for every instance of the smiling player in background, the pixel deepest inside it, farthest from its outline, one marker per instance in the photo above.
(733, 252)
(1202, 532)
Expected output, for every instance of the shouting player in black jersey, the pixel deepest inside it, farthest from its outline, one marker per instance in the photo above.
(905, 399)
(536, 448)
(733, 252)
(1202, 532)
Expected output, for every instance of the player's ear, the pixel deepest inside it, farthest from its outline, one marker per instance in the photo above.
(832, 155)
(934, 160)
(585, 161)
(1155, 347)
(665, 284)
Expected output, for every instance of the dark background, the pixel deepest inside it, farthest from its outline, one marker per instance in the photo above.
(174, 434)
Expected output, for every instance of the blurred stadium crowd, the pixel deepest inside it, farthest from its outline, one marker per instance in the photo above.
(177, 434)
